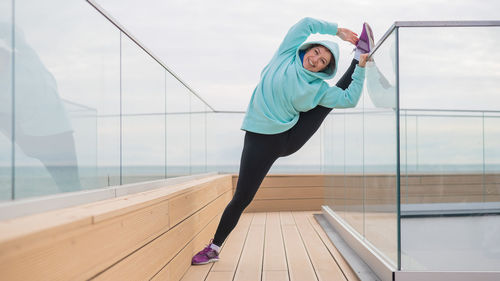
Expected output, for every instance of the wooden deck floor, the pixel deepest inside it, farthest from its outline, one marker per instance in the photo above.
(275, 246)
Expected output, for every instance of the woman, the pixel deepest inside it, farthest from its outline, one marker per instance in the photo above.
(288, 106)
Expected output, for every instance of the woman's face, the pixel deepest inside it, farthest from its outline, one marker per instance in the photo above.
(317, 58)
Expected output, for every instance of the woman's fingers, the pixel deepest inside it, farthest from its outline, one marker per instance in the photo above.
(348, 35)
(362, 60)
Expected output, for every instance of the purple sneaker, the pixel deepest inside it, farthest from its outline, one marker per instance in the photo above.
(366, 42)
(205, 256)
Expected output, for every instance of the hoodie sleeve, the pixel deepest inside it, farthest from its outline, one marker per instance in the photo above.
(301, 30)
(338, 98)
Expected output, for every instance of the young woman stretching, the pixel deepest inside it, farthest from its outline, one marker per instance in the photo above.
(288, 106)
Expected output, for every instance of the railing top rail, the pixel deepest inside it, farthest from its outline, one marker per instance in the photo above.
(466, 23)
(432, 24)
(402, 109)
(129, 35)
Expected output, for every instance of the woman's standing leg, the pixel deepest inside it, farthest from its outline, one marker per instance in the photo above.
(310, 121)
(259, 153)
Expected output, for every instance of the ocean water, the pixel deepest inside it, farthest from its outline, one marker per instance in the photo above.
(38, 181)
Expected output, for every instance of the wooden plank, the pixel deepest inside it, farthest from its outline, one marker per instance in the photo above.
(114, 207)
(492, 198)
(286, 218)
(228, 259)
(492, 178)
(344, 266)
(293, 180)
(334, 180)
(196, 273)
(145, 262)
(324, 265)
(184, 205)
(250, 265)
(275, 205)
(96, 245)
(452, 179)
(17, 234)
(448, 189)
(26, 229)
(444, 199)
(299, 265)
(219, 276)
(492, 189)
(275, 275)
(290, 180)
(176, 268)
(235, 180)
(301, 192)
(274, 250)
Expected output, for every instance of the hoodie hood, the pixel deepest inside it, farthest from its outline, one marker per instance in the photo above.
(328, 73)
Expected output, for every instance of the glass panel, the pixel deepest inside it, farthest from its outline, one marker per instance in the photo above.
(198, 136)
(338, 147)
(380, 159)
(143, 148)
(333, 151)
(224, 141)
(178, 128)
(143, 120)
(451, 149)
(492, 158)
(354, 193)
(108, 150)
(60, 92)
(6, 100)
(448, 73)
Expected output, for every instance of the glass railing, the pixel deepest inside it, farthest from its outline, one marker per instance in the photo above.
(360, 155)
(84, 106)
(415, 167)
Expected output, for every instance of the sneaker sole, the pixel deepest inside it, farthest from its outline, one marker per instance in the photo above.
(209, 261)
(371, 42)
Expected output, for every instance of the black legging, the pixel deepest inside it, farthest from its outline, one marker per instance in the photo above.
(259, 153)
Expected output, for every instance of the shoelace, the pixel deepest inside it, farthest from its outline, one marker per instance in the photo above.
(206, 250)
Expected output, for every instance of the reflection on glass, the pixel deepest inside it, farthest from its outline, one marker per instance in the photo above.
(363, 190)
(380, 157)
(380, 84)
(65, 80)
(43, 129)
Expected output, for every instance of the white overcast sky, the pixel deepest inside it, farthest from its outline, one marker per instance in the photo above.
(219, 47)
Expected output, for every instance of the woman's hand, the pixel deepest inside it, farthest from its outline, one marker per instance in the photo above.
(362, 59)
(347, 35)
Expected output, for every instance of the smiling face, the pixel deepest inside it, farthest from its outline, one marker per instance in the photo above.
(317, 58)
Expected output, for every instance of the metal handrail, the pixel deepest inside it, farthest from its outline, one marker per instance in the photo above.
(149, 52)
(398, 24)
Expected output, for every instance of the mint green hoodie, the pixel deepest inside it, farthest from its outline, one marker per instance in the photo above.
(286, 88)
